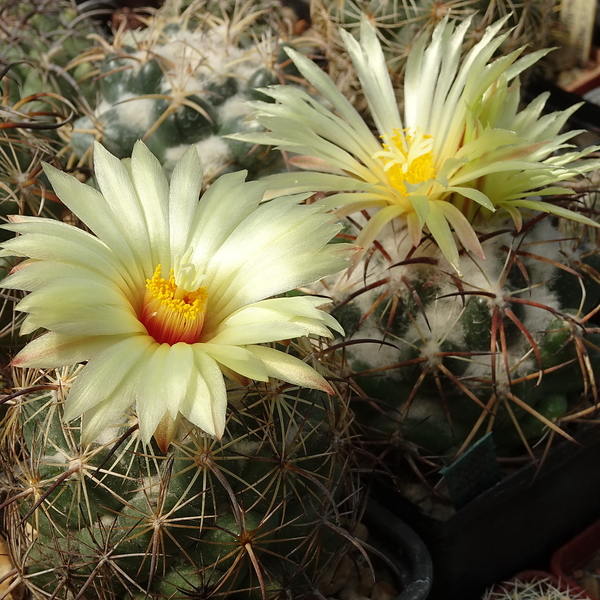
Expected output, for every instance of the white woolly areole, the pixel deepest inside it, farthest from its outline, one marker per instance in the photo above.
(135, 112)
(234, 107)
(196, 56)
(214, 153)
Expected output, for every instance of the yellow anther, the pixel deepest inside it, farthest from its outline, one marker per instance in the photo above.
(172, 314)
(408, 158)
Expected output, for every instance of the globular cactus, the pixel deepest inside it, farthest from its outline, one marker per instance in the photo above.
(510, 347)
(532, 23)
(186, 79)
(39, 95)
(38, 99)
(39, 41)
(262, 513)
(536, 588)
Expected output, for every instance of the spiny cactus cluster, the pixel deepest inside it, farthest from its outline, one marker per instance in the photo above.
(532, 23)
(537, 588)
(39, 95)
(39, 41)
(262, 513)
(511, 346)
(186, 79)
(38, 99)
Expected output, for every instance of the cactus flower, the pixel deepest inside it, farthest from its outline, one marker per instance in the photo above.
(462, 151)
(169, 293)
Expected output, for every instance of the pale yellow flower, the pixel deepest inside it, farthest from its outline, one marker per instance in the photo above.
(169, 292)
(462, 150)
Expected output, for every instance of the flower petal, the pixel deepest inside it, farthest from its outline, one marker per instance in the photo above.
(290, 369)
(237, 359)
(184, 195)
(103, 373)
(53, 350)
(91, 208)
(206, 402)
(151, 403)
(118, 190)
(90, 309)
(273, 320)
(151, 184)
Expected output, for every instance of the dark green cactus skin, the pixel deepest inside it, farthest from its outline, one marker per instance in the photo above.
(40, 43)
(438, 360)
(190, 86)
(532, 24)
(260, 513)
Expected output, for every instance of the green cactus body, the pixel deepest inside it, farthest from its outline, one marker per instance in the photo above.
(40, 44)
(256, 514)
(40, 97)
(184, 80)
(439, 360)
(399, 22)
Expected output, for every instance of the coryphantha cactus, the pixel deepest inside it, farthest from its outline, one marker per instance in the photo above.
(473, 306)
(199, 449)
(399, 23)
(39, 95)
(536, 588)
(185, 79)
(38, 42)
(264, 512)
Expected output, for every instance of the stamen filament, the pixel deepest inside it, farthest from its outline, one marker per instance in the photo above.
(172, 314)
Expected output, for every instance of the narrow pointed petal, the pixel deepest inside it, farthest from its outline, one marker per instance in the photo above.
(290, 369)
(103, 373)
(150, 183)
(184, 195)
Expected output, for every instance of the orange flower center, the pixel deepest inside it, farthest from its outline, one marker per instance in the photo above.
(170, 313)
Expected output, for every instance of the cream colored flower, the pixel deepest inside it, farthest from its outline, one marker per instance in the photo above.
(462, 150)
(168, 292)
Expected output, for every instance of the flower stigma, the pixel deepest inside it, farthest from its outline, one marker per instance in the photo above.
(172, 314)
(407, 158)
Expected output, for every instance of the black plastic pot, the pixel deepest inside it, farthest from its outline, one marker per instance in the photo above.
(404, 549)
(513, 526)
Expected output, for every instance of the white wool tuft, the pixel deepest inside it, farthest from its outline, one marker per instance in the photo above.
(234, 107)
(136, 112)
(214, 153)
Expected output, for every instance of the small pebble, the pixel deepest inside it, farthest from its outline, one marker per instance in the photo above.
(590, 584)
(383, 590)
(351, 594)
(365, 581)
(339, 578)
(361, 532)
(350, 589)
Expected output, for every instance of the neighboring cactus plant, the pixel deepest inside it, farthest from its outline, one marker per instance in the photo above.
(532, 23)
(39, 95)
(262, 513)
(534, 588)
(186, 79)
(39, 41)
(508, 346)
(474, 310)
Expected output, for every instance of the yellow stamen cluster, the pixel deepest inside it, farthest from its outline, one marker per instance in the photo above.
(172, 314)
(407, 159)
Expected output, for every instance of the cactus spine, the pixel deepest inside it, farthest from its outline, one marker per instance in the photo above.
(262, 513)
(185, 79)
